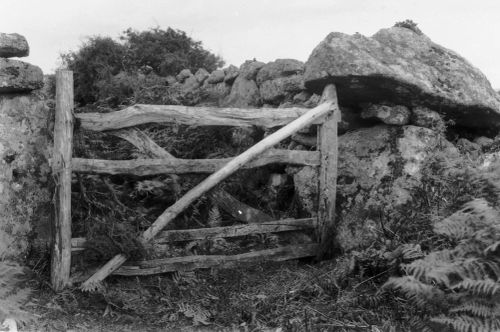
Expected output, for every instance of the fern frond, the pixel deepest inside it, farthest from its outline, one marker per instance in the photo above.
(464, 323)
(485, 287)
(492, 248)
(413, 289)
(478, 309)
(214, 217)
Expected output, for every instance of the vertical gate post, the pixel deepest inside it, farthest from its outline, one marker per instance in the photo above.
(327, 178)
(61, 168)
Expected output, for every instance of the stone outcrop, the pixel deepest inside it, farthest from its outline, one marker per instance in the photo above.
(13, 45)
(377, 165)
(400, 66)
(25, 175)
(18, 76)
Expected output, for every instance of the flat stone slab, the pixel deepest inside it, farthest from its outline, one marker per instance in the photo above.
(401, 66)
(18, 76)
(13, 45)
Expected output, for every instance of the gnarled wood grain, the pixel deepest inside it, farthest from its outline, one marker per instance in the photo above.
(144, 167)
(193, 116)
(189, 263)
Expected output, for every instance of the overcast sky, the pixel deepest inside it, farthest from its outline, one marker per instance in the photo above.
(246, 29)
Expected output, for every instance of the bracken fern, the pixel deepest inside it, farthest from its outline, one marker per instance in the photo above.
(459, 287)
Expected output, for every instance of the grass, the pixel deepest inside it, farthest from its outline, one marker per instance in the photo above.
(293, 296)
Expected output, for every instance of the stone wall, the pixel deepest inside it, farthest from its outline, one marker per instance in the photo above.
(25, 132)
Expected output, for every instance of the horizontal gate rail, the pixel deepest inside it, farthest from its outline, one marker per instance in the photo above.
(144, 167)
(192, 116)
(188, 263)
(180, 235)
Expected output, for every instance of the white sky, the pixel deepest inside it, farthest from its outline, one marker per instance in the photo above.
(246, 29)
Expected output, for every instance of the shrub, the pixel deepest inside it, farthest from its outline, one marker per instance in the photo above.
(409, 24)
(459, 287)
(107, 68)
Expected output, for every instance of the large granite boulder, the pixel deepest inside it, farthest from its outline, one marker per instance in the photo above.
(18, 76)
(244, 93)
(401, 66)
(378, 168)
(25, 175)
(13, 45)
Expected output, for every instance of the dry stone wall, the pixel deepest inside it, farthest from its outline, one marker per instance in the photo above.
(24, 151)
(398, 91)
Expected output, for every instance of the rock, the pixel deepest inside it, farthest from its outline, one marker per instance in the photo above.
(231, 73)
(313, 101)
(425, 117)
(170, 80)
(391, 115)
(183, 75)
(190, 84)
(378, 167)
(18, 76)
(201, 75)
(25, 174)
(215, 93)
(276, 90)
(249, 69)
(243, 93)
(216, 76)
(13, 45)
(405, 68)
(473, 150)
(279, 68)
(305, 180)
(484, 142)
(301, 97)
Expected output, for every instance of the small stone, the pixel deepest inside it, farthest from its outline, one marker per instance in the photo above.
(301, 97)
(279, 68)
(392, 115)
(13, 45)
(231, 73)
(183, 75)
(201, 75)
(170, 80)
(216, 76)
(484, 142)
(425, 117)
(18, 76)
(276, 90)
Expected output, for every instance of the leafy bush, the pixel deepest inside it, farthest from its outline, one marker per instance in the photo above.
(409, 24)
(107, 68)
(459, 287)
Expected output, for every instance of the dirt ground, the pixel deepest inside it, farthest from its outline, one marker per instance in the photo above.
(290, 296)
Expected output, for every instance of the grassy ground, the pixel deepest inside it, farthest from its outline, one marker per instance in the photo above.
(291, 296)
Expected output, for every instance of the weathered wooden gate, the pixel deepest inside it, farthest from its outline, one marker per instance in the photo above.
(326, 115)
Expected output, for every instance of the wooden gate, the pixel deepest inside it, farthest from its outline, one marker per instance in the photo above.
(326, 115)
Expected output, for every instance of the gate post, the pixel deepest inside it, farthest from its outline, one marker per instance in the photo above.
(327, 178)
(61, 168)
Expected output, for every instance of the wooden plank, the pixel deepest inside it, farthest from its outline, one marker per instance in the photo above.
(189, 263)
(170, 236)
(328, 146)
(61, 168)
(222, 198)
(193, 116)
(210, 182)
(144, 167)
